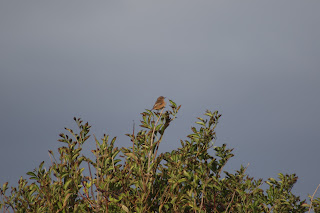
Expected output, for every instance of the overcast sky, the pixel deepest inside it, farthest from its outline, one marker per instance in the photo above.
(257, 62)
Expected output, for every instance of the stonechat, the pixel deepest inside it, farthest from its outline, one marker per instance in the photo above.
(160, 103)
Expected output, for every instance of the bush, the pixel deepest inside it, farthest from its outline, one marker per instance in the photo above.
(137, 179)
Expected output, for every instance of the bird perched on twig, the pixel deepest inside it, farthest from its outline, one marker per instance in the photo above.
(160, 103)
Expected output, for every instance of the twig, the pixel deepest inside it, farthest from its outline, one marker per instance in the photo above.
(203, 191)
(97, 170)
(157, 147)
(230, 201)
(133, 138)
(245, 169)
(92, 181)
(87, 199)
(155, 125)
(50, 157)
(235, 192)
(312, 198)
(160, 139)
(151, 142)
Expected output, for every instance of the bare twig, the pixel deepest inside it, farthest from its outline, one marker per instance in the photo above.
(312, 198)
(230, 201)
(133, 138)
(50, 156)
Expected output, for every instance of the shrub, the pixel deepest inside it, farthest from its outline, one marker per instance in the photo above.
(137, 179)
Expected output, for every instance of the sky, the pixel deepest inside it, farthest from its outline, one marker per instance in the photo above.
(256, 62)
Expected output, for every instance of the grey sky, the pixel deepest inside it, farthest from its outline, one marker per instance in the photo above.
(257, 62)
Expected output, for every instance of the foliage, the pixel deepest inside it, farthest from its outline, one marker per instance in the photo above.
(137, 179)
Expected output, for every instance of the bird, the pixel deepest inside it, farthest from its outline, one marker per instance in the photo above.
(160, 103)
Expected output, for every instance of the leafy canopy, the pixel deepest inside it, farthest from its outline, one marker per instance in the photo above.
(138, 179)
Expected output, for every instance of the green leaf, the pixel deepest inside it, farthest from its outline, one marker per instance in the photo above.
(4, 186)
(173, 103)
(31, 174)
(201, 123)
(41, 165)
(193, 136)
(182, 180)
(67, 184)
(131, 155)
